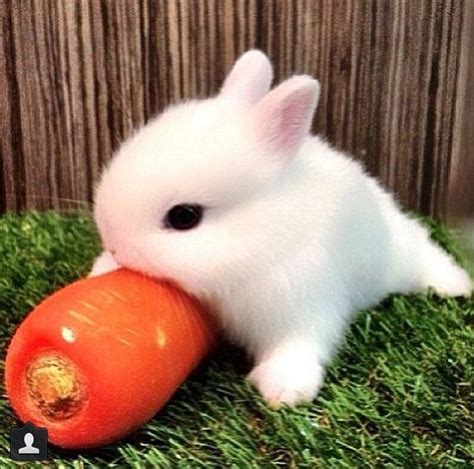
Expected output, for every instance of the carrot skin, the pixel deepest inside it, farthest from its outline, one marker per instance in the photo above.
(100, 357)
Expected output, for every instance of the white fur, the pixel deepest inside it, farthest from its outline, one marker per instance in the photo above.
(295, 237)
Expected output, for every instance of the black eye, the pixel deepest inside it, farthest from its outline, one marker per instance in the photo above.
(183, 216)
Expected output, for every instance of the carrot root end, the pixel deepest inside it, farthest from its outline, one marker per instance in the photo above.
(55, 387)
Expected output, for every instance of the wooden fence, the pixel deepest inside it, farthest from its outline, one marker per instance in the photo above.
(77, 76)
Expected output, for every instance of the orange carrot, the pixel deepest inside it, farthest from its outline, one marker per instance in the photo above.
(100, 357)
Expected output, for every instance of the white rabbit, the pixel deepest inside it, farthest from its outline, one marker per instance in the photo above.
(284, 237)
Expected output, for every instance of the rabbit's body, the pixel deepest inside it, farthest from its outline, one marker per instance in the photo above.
(295, 237)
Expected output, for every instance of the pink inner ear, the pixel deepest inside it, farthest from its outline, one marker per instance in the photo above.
(287, 120)
(293, 121)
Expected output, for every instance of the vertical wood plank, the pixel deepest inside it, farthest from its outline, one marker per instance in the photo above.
(461, 181)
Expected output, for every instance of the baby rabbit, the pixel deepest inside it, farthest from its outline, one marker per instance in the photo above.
(284, 237)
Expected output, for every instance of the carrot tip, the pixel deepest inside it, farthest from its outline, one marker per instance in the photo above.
(55, 387)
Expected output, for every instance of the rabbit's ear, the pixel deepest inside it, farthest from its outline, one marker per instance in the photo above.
(283, 117)
(250, 78)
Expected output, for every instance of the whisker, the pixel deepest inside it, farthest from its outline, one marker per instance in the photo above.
(79, 207)
(57, 199)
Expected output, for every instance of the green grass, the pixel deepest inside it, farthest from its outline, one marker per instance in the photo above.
(398, 395)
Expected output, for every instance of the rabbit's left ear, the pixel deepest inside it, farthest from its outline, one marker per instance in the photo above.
(282, 119)
(250, 78)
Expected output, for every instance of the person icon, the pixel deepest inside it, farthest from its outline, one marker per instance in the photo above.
(28, 443)
(29, 448)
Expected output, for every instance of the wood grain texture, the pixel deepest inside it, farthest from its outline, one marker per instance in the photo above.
(76, 77)
(461, 184)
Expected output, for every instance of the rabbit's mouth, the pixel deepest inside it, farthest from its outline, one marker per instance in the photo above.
(131, 258)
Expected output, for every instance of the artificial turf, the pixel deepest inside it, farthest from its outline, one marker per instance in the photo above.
(399, 394)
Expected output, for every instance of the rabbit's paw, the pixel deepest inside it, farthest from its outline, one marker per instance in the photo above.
(103, 264)
(283, 380)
